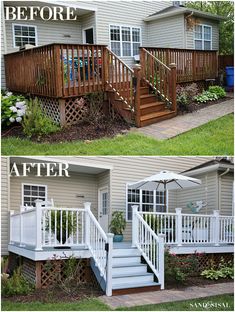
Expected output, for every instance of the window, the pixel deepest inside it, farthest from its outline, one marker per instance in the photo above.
(24, 34)
(146, 200)
(31, 192)
(125, 40)
(203, 37)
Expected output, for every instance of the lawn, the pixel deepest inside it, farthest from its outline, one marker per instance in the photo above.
(213, 138)
(215, 303)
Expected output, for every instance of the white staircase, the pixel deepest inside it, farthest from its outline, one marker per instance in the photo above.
(129, 274)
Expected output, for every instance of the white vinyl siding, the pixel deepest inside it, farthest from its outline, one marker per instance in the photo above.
(166, 33)
(203, 37)
(226, 194)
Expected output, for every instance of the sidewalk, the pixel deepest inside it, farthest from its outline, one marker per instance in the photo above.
(180, 124)
(168, 295)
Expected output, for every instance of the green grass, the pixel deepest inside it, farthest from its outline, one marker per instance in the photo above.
(215, 303)
(213, 138)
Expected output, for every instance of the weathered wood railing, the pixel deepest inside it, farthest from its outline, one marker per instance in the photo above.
(56, 70)
(184, 229)
(119, 77)
(191, 65)
(160, 77)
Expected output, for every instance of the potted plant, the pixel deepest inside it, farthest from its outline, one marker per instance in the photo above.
(59, 218)
(117, 225)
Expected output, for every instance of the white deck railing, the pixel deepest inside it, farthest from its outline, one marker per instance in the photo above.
(149, 244)
(42, 227)
(185, 229)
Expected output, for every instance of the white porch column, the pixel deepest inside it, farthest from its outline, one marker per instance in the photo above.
(87, 207)
(109, 265)
(161, 260)
(216, 231)
(178, 226)
(134, 225)
(38, 224)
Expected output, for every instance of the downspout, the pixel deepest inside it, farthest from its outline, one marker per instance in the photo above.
(219, 186)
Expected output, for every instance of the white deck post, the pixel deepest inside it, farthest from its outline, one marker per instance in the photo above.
(11, 226)
(134, 225)
(178, 226)
(87, 207)
(109, 265)
(38, 224)
(216, 231)
(21, 230)
(161, 260)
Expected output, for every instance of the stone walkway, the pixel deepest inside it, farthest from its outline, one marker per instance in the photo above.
(172, 127)
(168, 295)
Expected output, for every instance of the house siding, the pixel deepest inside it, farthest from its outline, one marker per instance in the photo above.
(226, 194)
(3, 48)
(189, 34)
(5, 192)
(88, 21)
(125, 13)
(206, 192)
(48, 32)
(171, 37)
(69, 192)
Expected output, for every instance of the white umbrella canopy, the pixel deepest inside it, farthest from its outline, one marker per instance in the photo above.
(165, 180)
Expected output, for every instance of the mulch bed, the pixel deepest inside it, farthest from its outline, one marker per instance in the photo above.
(195, 281)
(84, 131)
(51, 295)
(196, 106)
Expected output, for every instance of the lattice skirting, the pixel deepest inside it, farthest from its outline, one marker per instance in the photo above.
(52, 108)
(205, 261)
(44, 274)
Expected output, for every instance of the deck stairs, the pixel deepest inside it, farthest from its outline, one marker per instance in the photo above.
(130, 274)
(152, 108)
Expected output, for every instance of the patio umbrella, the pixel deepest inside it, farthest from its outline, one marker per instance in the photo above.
(165, 181)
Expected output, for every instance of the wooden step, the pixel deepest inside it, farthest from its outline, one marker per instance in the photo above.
(151, 108)
(136, 289)
(149, 119)
(147, 98)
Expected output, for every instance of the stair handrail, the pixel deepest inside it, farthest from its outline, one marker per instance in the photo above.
(100, 245)
(149, 244)
(160, 77)
(119, 77)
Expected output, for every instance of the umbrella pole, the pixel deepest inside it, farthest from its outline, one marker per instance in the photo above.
(165, 196)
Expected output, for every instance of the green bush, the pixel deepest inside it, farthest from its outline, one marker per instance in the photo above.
(219, 91)
(35, 121)
(178, 268)
(224, 270)
(118, 223)
(13, 108)
(206, 96)
(15, 285)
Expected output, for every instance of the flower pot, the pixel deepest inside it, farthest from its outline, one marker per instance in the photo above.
(118, 238)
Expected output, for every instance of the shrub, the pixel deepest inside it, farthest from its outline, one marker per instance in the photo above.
(15, 285)
(13, 108)
(178, 268)
(224, 270)
(93, 103)
(118, 223)
(206, 96)
(219, 91)
(35, 121)
(185, 95)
